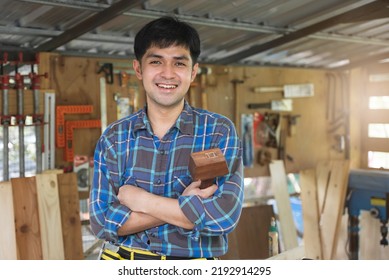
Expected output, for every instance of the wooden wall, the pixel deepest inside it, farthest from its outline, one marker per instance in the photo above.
(311, 141)
(75, 80)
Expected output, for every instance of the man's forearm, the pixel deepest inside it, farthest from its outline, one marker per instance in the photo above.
(138, 222)
(165, 209)
(159, 207)
(162, 208)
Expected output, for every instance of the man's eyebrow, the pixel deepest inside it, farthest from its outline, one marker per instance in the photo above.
(153, 55)
(180, 57)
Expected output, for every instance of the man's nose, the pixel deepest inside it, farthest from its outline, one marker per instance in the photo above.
(168, 71)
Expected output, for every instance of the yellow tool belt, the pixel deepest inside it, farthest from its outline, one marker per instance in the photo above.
(111, 252)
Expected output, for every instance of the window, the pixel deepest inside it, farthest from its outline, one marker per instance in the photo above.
(378, 130)
(378, 102)
(376, 123)
(378, 160)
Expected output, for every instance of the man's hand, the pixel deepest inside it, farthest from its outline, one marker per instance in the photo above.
(194, 189)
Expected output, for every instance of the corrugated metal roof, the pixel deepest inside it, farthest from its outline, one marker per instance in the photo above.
(289, 33)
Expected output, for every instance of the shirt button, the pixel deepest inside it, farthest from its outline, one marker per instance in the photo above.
(162, 152)
(159, 181)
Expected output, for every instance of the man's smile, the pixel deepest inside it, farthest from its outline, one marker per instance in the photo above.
(166, 86)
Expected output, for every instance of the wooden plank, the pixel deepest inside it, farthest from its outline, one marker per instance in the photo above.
(280, 189)
(28, 236)
(8, 249)
(330, 219)
(323, 169)
(311, 215)
(70, 216)
(341, 252)
(52, 171)
(49, 216)
(297, 253)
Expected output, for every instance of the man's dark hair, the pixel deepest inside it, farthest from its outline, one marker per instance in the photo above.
(165, 32)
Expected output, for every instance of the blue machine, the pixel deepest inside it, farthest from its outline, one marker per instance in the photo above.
(367, 190)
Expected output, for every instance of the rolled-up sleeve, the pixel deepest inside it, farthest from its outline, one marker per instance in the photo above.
(220, 213)
(106, 213)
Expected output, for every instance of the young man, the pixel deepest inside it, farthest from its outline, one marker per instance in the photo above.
(143, 201)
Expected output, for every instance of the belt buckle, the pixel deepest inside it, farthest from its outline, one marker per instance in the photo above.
(110, 246)
(109, 251)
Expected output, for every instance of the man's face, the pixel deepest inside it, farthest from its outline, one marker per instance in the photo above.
(166, 74)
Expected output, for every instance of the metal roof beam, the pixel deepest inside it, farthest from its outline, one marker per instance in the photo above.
(89, 24)
(108, 38)
(378, 8)
(217, 23)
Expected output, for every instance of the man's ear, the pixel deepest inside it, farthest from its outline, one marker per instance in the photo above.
(137, 68)
(194, 71)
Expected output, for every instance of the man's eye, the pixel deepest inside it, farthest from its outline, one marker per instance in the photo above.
(180, 64)
(155, 62)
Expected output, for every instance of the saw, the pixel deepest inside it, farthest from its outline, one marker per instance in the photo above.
(274, 105)
(290, 91)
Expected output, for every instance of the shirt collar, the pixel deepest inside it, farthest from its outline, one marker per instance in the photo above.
(184, 121)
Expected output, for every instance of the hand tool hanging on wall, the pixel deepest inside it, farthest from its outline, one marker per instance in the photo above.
(69, 133)
(247, 127)
(103, 104)
(19, 84)
(38, 118)
(275, 105)
(107, 68)
(289, 91)
(272, 129)
(60, 120)
(49, 132)
(235, 83)
(5, 119)
(292, 122)
(124, 82)
(338, 113)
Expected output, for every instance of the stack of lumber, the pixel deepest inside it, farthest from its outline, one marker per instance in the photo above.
(40, 218)
(323, 195)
